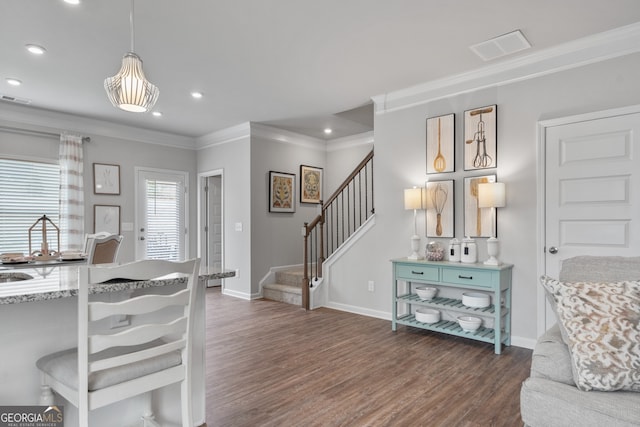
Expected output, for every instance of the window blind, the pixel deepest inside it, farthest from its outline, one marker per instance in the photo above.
(164, 221)
(28, 190)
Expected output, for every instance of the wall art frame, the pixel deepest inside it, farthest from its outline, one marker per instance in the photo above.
(480, 138)
(106, 218)
(441, 144)
(310, 184)
(477, 221)
(282, 192)
(440, 208)
(106, 179)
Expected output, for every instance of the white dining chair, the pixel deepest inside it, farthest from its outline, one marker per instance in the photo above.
(103, 248)
(150, 353)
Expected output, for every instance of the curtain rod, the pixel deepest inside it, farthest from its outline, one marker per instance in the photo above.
(37, 132)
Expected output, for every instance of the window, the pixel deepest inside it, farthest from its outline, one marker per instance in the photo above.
(28, 190)
(162, 213)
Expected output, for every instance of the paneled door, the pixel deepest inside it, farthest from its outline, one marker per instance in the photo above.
(161, 214)
(592, 190)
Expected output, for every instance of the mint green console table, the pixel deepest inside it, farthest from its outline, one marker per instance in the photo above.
(452, 279)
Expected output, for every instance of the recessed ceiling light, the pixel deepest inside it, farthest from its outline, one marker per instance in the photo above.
(328, 131)
(72, 1)
(157, 114)
(196, 95)
(14, 82)
(35, 49)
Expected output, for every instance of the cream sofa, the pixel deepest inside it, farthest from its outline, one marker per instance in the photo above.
(549, 397)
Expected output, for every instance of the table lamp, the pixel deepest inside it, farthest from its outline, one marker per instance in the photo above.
(492, 195)
(413, 200)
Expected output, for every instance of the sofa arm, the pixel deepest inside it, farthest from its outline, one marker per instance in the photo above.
(545, 403)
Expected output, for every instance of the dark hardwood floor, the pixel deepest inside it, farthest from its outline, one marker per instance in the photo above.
(273, 364)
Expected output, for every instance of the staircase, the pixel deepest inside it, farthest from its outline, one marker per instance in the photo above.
(287, 288)
(340, 217)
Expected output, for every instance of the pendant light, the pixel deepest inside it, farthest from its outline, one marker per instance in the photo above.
(129, 90)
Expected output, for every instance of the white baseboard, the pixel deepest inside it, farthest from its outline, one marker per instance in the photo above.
(523, 342)
(359, 310)
(241, 295)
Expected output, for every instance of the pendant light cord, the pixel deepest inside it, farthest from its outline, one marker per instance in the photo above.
(132, 28)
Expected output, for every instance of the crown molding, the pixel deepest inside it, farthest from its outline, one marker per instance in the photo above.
(591, 49)
(286, 137)
(224, 136)
(52, 121)
(365, 138)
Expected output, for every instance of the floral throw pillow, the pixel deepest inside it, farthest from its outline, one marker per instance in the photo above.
(602, 325)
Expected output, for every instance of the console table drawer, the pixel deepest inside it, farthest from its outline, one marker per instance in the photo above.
(467, 277)
(417, 272)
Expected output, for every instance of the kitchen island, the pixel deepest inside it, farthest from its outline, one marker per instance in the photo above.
(38, 314)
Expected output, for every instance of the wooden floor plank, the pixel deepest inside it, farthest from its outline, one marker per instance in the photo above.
(274, 364)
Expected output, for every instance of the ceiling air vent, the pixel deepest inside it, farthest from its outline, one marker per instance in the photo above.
(505, 44)
(8, 98)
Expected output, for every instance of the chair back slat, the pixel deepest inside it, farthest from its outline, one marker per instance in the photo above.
(148, 353)
(136, 335)
(137, 305)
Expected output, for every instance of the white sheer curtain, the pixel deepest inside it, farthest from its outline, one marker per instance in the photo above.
(71, 193)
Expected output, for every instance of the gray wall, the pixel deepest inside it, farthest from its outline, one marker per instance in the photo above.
(233, 158)
(400, 163)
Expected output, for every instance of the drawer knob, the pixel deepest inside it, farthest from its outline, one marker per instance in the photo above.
(464, 277)
(417, 272)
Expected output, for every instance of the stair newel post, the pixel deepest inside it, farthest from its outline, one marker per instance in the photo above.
(305, 276)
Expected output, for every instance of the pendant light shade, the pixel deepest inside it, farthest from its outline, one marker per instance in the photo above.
(129, 90)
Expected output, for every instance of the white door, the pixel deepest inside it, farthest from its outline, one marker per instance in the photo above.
(161, 214)
(592, 191)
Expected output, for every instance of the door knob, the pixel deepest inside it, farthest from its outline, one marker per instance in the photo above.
(142, 238)
(553, 250)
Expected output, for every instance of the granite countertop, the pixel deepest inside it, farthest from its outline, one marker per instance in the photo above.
(50, 282)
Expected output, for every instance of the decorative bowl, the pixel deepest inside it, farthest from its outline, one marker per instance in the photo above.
(427, 315)
(469, 323)
(426, 292)
(476, 299)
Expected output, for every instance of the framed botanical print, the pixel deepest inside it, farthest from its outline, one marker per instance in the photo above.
(477, 220)
(106, 179)
(310, 184)
(480, 138)
(440, 215)
(282, 192)
(106, 218)
(441, 144)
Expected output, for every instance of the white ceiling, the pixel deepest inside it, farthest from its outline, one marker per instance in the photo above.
(293, 64)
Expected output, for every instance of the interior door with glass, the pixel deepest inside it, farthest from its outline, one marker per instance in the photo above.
(161, 212)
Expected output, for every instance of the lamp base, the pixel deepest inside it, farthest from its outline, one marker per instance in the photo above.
(415, 247)
(493, 249)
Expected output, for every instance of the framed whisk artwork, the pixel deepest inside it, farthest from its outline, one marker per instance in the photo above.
(441, 144)
(480, 138)
(477, 220)
(440, 209)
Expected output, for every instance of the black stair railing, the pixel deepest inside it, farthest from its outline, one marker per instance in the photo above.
(340, 216)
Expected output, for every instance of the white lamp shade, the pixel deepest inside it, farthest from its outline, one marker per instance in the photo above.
(491, 195)
(413, 198)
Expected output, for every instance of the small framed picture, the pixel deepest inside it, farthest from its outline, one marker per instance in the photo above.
(310, 184)
(106, 179)
(282, 192)
(440, 208)
(477, 220)
(480, 138)
(441, 144)
(106, 218)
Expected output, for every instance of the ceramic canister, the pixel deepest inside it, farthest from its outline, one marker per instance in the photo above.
(469, 253)
(454, 250)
